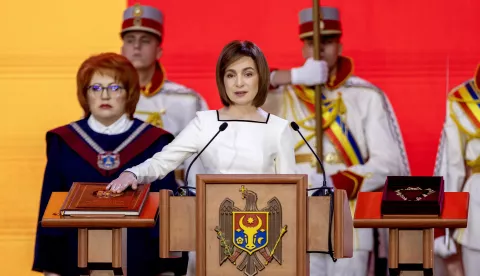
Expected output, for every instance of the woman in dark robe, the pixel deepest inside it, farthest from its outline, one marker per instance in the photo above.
(97, 149)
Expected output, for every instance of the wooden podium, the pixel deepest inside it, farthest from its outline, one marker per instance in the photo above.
(113, 223)
(248, 224)
(411, 237)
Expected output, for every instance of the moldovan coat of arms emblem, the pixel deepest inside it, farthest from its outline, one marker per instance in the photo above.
(250, 232)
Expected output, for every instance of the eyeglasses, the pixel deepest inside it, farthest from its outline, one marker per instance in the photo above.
(113, 90)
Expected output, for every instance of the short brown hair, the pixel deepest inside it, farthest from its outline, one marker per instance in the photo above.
(115, 65)
(232, 52)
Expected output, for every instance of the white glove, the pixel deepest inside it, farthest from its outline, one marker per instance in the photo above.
(313, 72)
(440, 247)
(125, 180)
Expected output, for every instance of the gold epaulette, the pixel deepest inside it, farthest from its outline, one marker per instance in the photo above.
(462, 105)
(154, 118)
(452, 98)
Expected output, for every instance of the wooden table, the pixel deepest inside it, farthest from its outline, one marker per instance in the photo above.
(411, 237)
(52, 218)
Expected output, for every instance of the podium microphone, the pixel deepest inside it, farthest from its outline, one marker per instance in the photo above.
(324, 190)
(185, 186)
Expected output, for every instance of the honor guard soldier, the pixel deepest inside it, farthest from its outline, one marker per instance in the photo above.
(163, 103)
(362, 142)
(458, 161)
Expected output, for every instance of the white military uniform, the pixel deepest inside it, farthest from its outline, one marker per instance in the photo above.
(370, 121)
(458, 161)
(163, 103)
(244, 147)
(172, 108)
(362, 143)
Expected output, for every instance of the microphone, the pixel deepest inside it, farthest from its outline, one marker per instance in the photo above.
(185, 186)
(324, 190)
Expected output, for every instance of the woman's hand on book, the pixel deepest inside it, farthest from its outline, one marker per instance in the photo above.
(125, 180)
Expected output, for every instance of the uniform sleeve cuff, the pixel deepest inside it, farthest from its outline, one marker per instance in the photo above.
(348, 181)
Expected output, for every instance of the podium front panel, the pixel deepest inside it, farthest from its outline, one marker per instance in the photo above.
(251, 225)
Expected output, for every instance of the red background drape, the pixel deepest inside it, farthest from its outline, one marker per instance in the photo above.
(413, 50)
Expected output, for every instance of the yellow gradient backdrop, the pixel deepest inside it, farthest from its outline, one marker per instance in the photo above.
(42, 46)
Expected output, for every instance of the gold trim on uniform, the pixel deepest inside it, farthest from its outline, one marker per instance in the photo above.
(137, 10)
(475, 170)
(474, 163)
(333, 158)
(154, 118)
(330, 158)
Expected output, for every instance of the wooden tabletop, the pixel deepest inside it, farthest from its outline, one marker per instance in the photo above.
(52, 217)
(368, 215)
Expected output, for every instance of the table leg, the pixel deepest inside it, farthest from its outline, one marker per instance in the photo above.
(393, 252)
(428, 256)
(117, 251)
(83, 251)
(411, 252)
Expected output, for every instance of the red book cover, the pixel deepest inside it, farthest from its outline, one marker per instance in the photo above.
(85, 198)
